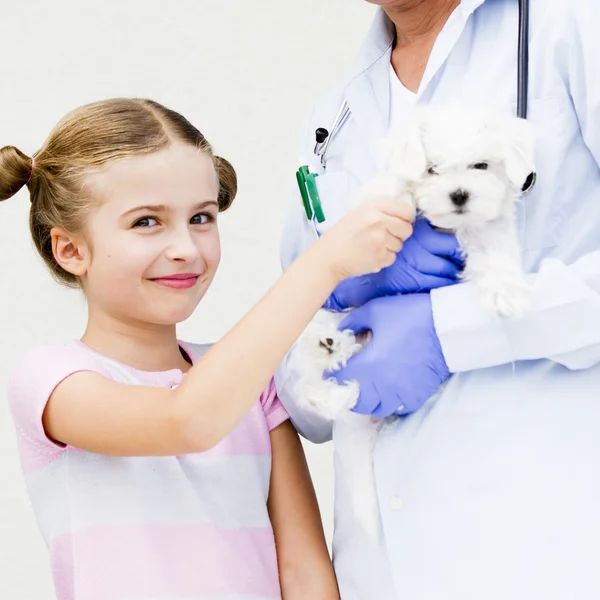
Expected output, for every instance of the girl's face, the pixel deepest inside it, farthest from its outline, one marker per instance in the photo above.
(153, 243)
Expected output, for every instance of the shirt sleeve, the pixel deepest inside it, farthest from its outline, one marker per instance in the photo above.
(274, 411)
(33, 381)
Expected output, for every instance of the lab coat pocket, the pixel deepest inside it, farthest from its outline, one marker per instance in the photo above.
(334, 190)
(541, 210)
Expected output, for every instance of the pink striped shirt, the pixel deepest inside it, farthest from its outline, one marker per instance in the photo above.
(139, 528)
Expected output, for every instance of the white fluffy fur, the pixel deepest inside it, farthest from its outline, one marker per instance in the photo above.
(451, 144)
(434, 155)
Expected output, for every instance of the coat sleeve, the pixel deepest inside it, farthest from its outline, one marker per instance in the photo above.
(562, 325)
(298, 235)
(564, 322)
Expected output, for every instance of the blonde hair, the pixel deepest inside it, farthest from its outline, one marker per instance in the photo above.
(89, 138)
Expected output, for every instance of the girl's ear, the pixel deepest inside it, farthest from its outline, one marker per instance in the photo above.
(70, 252)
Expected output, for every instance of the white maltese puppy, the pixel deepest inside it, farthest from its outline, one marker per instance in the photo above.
(463, 172)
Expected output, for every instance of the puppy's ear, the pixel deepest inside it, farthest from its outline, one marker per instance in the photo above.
(519, 153)
(405, 152)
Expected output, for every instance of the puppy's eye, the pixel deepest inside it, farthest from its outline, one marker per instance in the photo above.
(480, 166)
(432, 171)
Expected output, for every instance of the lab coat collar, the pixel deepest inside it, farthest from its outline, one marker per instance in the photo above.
(381, 36)
(368, 91)
(377, 43)
(468, 6)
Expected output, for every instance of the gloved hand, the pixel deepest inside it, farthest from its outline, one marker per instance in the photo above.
(402, 366)
(429, 259)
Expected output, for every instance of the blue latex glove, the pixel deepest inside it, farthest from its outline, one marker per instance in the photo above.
(429, 259)
(402, 366)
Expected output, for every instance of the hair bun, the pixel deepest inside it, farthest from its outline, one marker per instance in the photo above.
(228, 182)
(15, 171)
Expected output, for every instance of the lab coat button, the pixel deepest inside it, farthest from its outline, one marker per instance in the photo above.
(396, 503)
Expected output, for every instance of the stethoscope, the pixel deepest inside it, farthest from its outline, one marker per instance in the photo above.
(323, 137)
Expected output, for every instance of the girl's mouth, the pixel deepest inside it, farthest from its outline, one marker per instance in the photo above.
(179, 281)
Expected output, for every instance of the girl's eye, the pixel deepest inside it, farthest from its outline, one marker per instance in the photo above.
(432, 171)
(201, 219)
(146, 222)
(480, 166)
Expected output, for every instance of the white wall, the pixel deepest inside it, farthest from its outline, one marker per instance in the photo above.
(245, 73)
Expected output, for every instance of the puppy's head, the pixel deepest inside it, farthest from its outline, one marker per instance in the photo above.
(464, 168)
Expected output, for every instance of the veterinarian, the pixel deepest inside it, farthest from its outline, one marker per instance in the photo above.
(491, 490)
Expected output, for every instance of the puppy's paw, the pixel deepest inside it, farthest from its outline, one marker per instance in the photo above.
(335, 348)
(385, 186)
(507, 296)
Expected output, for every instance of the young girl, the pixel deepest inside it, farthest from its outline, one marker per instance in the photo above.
(147, 459)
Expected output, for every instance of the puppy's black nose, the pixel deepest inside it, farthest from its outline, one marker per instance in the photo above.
(459, 197)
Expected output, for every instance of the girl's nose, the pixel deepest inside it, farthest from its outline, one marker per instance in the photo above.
(182, 246)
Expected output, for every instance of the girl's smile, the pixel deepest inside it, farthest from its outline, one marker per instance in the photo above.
(182, 281)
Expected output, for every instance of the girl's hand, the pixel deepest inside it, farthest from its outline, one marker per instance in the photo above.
(367, 239)
(429, 259)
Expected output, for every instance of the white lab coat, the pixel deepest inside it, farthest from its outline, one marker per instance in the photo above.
(491, 492)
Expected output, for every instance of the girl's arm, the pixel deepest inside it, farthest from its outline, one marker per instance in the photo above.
(93, 413)
(305, 569)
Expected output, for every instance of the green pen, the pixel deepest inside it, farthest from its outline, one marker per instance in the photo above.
(310, 194)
